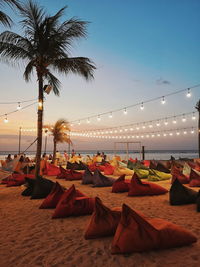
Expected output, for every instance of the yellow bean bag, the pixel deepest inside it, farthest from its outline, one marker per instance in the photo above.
(120, 170)
(155, 175)
(142, 173)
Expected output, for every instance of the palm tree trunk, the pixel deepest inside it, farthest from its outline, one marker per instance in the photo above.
(39, 126)
(54, 150)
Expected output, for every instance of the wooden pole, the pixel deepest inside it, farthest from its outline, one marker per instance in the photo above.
(143, 153)
(20, 135)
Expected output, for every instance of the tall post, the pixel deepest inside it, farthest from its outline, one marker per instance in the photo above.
(198, 109)
(20, 135)
(45, 143)
(127, 150)
(69, 145)
(143, 153)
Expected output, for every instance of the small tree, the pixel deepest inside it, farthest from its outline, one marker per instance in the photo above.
(60, 132)
(198, 109)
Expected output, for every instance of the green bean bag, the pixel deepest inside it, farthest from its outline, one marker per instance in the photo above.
(155, 175)
(142, 173)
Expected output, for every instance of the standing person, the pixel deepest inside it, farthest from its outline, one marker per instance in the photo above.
(66, 156)
(73, 153)
(103, 156)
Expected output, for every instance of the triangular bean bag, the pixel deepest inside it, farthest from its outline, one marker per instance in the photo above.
(194, 178)
(121, 185)
(119, 171)
(51, 170)
(136, 233)
(155, 175)
(42, 188)
(108, 169)
(176, 174)
(53, 198)
(186, 170)
(181, 195)
(100, 180)
(139, 188)
(198, 201)
(73, 203)
(63, 173)
(73, 175)
(103, 221)
(152, 164)
(92, 167)
(141, 173)
(17, 179)
(87, 177)
(30, 183)
(160, 167)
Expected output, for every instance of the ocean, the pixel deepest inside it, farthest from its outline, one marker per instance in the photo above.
(149, 154)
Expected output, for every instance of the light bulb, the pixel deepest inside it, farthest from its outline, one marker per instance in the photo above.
(192, 131)
(177, 133)
(125, 111)
(188, 93)
(143, 127)
(166, 123)
(19, 107)
(183, 119)
(193, 116)
(88, 120)
(185, 132)
(158, 135)
(163, 100)
(158, 123)
(174, 121)
(98, 118)
(142, 106)
(6, 119)
(79, 122)
(110, 115)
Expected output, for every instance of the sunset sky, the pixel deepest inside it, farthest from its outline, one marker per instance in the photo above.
(142, 49)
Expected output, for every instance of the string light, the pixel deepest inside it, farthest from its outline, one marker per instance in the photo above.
(188, 93)
(163, 100)
(110, 116)
(79, 122)
(6, 119)
(158, 123)
(98, 118)
(19, 106)
(166, 122)
(184, 118)
(125, 111)
(174, 120)
(88, 120)
(193, 116)
(142, 106)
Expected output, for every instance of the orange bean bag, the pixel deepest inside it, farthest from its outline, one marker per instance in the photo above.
(53, 198)
(177, 174)
(135, 233)
(139, 188)
(108, 169)
(121, 185)
(51, 170)
(73, 203)
(103, 221)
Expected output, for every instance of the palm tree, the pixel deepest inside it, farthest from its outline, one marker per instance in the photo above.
(60, 132)
(4, 18)
(45, 47)
(198, 109)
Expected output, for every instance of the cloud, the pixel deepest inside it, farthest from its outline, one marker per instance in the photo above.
(162, 81)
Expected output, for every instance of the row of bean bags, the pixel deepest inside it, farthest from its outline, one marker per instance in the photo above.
(136, 187)
(186, 175)
(67, 203)
(69, 174)
(38, 188)
(16, 179)
(134, 232)
(181, 195)
(97, 179)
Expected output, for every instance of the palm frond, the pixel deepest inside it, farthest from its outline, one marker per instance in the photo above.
(52, 80)
(28, 71)
(77, 65)
(4, 18)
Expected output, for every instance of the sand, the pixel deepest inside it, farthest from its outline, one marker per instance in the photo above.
(29, 237)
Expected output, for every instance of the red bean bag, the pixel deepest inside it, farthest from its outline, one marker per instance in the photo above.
(121, 185)
(53, 198)
(139, 188)
(177, 174)
(101, 168)
(109, 169)
(103, 221)
(194, 165)
(146, 163)
(51, 170)
(194, 178)
(65, 204)
(62, 174)
(133, 160)
(73, 175)
(135, 233)
(17, 179)
(92, 167)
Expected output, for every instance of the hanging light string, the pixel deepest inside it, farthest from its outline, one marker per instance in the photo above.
(146, 124)
(11, 112)
(164, 133)
(18, 102)
(141, 104)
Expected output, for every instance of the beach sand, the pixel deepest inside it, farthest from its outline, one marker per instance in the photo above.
(29, 237)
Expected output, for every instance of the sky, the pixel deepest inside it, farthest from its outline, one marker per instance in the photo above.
(142, 50)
